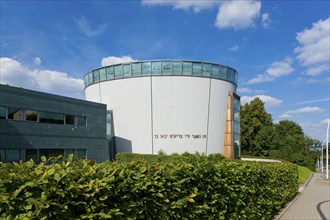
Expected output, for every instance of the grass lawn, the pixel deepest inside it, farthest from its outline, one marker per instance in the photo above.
(303, 174)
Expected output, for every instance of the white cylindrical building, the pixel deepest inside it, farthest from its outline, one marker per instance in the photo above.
(174, 106)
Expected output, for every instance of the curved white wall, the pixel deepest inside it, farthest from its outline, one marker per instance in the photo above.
(168, 113)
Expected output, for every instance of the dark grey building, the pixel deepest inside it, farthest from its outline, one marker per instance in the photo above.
(33, 124)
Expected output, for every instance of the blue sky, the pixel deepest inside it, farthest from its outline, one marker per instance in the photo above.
(280, 48)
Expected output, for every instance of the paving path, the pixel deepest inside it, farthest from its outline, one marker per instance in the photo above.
(312, 204)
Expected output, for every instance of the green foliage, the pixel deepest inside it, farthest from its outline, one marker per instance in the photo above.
(161, 157)
(254, 127)
(205, 189)
(284, 140)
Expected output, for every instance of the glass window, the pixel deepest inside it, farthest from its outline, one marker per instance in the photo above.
(67, 152)
(81, 120)
(80, 153)
(51, 118)
(127, 69)
(90, 78)
(177, 68)
(2, 112)
(96, 75)
(228, 75)
(197, 69)
(223, 72)
(146, 68)
(136, 69)
(31, 115)
(236, 116)
(31, 154)
(2, 155)
(103, 75)
(236, 103)
(51, 152)
(13, 154)
(206, 69)
(118, 71)
(156, 67)
(85, 80)
(186, 68)
(14, 113)
(166, 67)
(110, 73)
(236, 77)
(69, 119)
(215, 71)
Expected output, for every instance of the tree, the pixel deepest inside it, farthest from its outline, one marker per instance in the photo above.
(256, 126)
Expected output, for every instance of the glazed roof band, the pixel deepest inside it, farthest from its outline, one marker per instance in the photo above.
(161, 68)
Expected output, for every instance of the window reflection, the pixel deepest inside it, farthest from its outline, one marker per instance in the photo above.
(223, 72)
(197, 69)
(215, 71)
(14, 113)
(206, 69)
(166, 67)
(90, 77)
(176, 68)
(136, 69)
(186, 68)
(103, 75)
(31, 115)
(155, 66)
(96, 75)
(51, 118)
(110, 73)
(118, 71)
(127, 69)
(146, 68)
(3, 112)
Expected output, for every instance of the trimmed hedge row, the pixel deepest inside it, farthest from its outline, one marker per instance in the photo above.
(172, 158)
(80, 189)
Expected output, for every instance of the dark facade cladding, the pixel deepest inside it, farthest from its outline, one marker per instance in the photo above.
(33, 124)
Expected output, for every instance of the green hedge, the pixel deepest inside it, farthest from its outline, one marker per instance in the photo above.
(80, 189)
(172, 158)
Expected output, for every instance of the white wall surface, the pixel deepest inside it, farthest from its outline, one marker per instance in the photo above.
(180, 107)
(168, 113)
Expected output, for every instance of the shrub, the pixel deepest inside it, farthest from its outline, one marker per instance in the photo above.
(206, 188)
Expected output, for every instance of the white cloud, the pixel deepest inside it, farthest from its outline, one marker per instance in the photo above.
(288, 114)
(325, 121)
(231, 14)
(234, 48)
(268, 100)
(312, 101)
(37, 61)
(238, 14)
(260, 78)
(86, 28)
(285, 116)
(313, 51)
(265, 19)
(281, 68)
(106, 61)
(196, 6)
(317, 69)
(305, 110)
(15, 74)
(276, 69)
